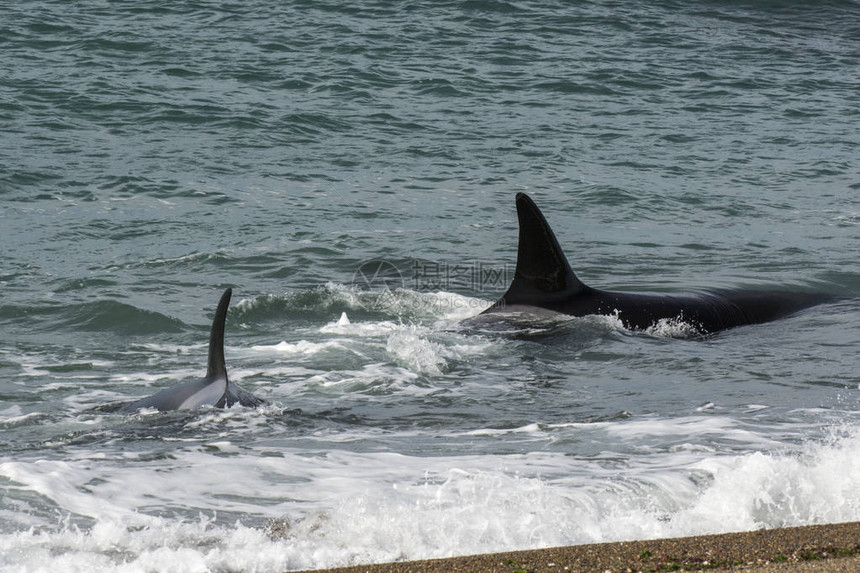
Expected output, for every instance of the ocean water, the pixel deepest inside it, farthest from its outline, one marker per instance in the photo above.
(350, 170)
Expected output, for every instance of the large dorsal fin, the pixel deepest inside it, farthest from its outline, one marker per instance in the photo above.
(543, 273)
(217, 367)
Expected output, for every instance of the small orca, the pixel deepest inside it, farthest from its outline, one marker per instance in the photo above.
(213, 390)
(543, 281)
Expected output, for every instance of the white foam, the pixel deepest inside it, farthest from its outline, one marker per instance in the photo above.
(673, 328)
(14, 416)
(162, 546)
(302, 347)
(527, 429)
(346, 508)
(408, 345)
(818, 485)
(689, 426)
(145, 379)
(362, 329)
(417, 353)
(445, 307)
(376, 377)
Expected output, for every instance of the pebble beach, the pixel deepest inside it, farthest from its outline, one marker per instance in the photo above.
(826, 548)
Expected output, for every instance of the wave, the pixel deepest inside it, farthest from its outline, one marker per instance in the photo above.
(101, 316)
(338, 508)
(332, 299)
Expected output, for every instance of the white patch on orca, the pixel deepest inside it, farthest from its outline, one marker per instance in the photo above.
(210, 394)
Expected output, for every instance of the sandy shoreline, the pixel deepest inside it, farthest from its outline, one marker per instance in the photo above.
(827, 548)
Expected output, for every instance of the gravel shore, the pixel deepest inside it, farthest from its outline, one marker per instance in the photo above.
(819, 548)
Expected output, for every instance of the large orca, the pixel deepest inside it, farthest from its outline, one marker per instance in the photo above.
(543, 281)
(213, 390)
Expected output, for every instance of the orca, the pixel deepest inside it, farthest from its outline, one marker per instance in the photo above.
(544, 283)
(215, 389)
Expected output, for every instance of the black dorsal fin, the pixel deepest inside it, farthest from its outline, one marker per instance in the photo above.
(543, 274)
(217, 367)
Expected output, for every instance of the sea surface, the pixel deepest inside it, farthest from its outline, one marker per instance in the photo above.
(349, 169)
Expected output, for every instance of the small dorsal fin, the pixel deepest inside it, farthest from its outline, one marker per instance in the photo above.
(543, 273)
(217, 367)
